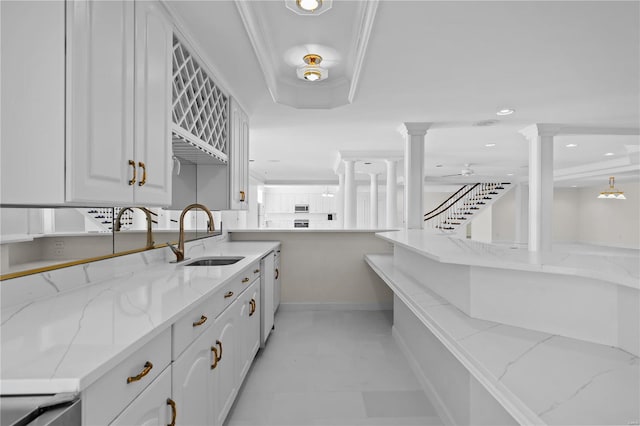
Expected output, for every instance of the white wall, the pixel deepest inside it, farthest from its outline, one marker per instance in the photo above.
(613, 223)
(579, 216)
(481, 226)
(328, 267)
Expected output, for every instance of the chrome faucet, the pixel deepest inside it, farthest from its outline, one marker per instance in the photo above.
(147, 212)
(179, 252)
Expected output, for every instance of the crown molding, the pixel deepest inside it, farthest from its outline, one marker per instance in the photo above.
(260, 43)
(368, 14)
(327, 94)
(539, 129)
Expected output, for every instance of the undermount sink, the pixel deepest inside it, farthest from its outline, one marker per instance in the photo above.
(214, 261)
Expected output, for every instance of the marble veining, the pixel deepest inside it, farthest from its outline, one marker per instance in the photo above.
(541, 377)
(63, 341)
(623, 267)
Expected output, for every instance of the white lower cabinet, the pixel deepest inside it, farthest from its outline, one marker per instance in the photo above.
(153, 407)
(213, 346)
(208, 374)
(193, 387)
(249, 326)
(225, 374)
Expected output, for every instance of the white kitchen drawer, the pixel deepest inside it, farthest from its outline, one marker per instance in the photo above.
(184, 331)
(110, 394)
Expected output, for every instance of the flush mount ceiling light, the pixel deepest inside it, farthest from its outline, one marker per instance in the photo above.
(506, 111)
(489, 145)
(308, 7)
(612, 192)
(571, 145)
(609, 154)
(312, 71)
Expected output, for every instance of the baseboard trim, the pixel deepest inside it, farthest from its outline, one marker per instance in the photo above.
(384, 306)
(427, 387)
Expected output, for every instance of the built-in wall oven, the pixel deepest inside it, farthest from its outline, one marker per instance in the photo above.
(301, 223)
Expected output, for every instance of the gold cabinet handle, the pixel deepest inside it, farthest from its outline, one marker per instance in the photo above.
(255, 271)
(253, 307)
(201, 321)
(219, 343)
(242, 196)
(277, 273)
(228, 294)
(214, 351)
(133, 166)
(147, 367)
(144, 173)
(245, 280)
(174, 411)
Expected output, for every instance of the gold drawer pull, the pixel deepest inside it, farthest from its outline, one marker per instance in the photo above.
(133, 166)
(214, 351)
(277, 273)
(147, 367)
(245, 280)
(174, 411)
(144, 173)
(253, 307)
(256, 271)
(201, 321)
(219, 343)
(242, 196)
(228, 294)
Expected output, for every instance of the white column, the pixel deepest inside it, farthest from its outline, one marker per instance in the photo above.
(392, 194)
(340, 200)
(540, 138)
(414, 174)
(373, 199)
(349, 194)
(521, 213)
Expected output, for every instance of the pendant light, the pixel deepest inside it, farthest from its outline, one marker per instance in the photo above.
(612, 192)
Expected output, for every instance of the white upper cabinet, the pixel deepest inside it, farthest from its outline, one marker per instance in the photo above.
(100, 89)
(239, 160)
(152, 145)
(99, 131)
(119, 150)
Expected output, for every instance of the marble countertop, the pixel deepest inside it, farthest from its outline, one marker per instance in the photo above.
(65, 341)
(539, 378)
(616, 265)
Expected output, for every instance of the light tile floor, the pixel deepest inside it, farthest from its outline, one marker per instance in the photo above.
(331, 368)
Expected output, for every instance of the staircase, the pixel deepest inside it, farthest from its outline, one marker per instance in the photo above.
(102, 217)
(463, 205)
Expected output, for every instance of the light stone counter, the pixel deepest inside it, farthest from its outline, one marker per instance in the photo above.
(618, 269)
(62, 330)
(539, 378)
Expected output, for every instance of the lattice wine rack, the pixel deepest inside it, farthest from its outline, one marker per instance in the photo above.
(200, 111)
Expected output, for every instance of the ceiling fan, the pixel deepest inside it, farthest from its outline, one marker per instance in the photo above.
(466, 171)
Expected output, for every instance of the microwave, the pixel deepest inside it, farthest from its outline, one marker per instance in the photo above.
(301, 223)
(301, 208)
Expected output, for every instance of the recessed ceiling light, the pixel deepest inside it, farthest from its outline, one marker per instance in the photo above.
(571, 145)
(609, 154)
(509, 174)
(438, 165)
(309, 5)
(489, 144)
(574, 186)
(506, 111)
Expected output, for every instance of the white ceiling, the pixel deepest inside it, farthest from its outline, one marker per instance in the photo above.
(453, 63)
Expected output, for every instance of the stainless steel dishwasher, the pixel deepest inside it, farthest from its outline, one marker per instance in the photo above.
(40, 410)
